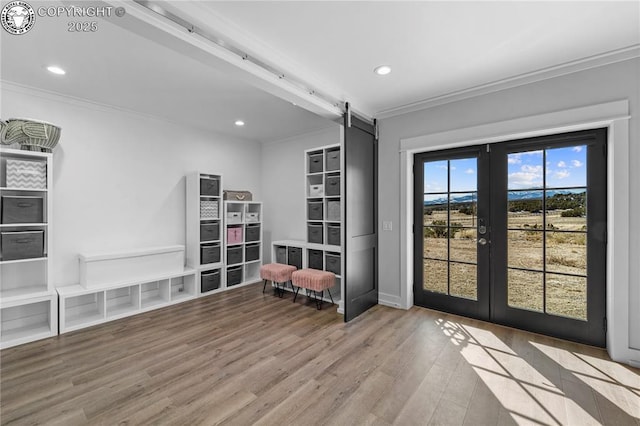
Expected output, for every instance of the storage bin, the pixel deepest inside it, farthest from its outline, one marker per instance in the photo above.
(332, 263)
(315, 162)
(252, 217)
(316, 190)
(234, 217)
(281, 255)
(22, 245)
(210, 231)
(315, 233)
(20, 209)
(209, 253)
(209, 280)
(333, 160)
(252, 252)
(295, 257)
(332, 185)
(209, 209)
(314, 210)
(25, 174)
(333, 234)
(234, 255)
(315, 259)
(234, 276)
(210, 187)
(333, 210)
(234, 235)
(253, 233)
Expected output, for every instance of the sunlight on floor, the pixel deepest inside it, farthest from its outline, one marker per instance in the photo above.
(545, 381)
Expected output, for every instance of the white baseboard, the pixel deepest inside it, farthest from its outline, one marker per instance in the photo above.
(390, 300)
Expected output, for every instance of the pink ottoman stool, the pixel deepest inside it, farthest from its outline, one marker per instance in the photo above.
(276, 273)
(314, 280)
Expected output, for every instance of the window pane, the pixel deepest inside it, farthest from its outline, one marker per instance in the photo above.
(525, 170)
(463, 209)
(464, 280)
(435, 176)
(567, 296)
(435, 242)
(464, 176)
(435, 209)
(463, 246)
(525, 209)
(567, 252)
(435, 276)
(567, 167)
(525, 289)
(567, 209)
(524, 249)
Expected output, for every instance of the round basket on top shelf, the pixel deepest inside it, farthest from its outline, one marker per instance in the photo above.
(32, 135)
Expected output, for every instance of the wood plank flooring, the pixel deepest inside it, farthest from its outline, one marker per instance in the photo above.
(244, 357)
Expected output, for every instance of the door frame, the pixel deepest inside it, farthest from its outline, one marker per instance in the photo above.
(612, 115)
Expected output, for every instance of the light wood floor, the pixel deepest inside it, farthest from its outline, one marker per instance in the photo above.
(243, 358)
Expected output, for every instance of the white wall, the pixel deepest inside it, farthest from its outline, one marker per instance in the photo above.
(283, 185)
(595, 86)
(119, 177)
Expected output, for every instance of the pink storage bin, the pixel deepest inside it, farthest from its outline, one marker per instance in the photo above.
(234, 235)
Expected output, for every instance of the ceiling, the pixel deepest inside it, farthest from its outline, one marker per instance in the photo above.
(320, 50)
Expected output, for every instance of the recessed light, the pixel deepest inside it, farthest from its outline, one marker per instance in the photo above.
(382, 70)
(56, 70)
(239, 123)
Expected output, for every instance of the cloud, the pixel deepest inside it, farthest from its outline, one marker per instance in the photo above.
(528, 176)
(562, 164)
(514, 159)
(576, 163)
(531, 169)
(469, 171)
(577, 148)
(561, 174)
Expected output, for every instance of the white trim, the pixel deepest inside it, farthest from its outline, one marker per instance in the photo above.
(584, 64)
(391, 301)
(614, 116)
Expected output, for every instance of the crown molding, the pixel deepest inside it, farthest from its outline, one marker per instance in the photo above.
(607, 58)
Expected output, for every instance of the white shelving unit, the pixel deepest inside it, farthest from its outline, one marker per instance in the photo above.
(28, 302)
(82, 307)
(205, 227)
(243, 242)
(297, 253)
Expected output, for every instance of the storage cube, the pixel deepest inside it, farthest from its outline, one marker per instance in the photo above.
(281, 255)
(209, 231)
(315, 233)
(253, 233)
(209, 253)
(333, 185)
(333, 160)
(209, 187)
(234, 217)
(316, 190)
(209, 209)
(315, 259)
(314, 210)
(295, 257)
(22, 245)
(332, 263)
(333, 210)
(209, 280)
(333, 234)
(234, 255)
(252, 252)
(26, 174)
(252, 217)
(315, 162)
(20, 209)
(234, 276)
(234, 235)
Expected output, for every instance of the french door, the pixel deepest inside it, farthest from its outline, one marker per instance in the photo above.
(515, 233)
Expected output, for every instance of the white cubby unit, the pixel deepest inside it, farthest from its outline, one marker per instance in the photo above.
(82, 307)
(302, 254)
(205, 227)
(243, 242)
(28, 302)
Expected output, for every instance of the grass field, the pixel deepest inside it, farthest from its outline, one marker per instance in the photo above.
(566, 253)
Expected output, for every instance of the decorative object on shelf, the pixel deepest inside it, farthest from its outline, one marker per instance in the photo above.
(32, 135)
(252, 217)
(232, 195)
(208, 209)
(316, 190)
(26, 174)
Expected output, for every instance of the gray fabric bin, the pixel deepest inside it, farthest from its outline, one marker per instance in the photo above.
(295, 257)
(314, 210)
(315, 233)
(252, 252)
(332, 186)
(333, 210)
(332, 263)
(209, 253)
(315, 259)
(22, 209)
(281, 255)
(315, 163)
(333, 160)
(234, 255)
(22, 245)
(234, 276)
(333, 234)
(210, 187)
(209, 280)
(210, 231)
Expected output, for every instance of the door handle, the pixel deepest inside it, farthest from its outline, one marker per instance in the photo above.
(482, 241)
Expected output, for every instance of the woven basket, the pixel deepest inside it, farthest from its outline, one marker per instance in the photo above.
(32, 135)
